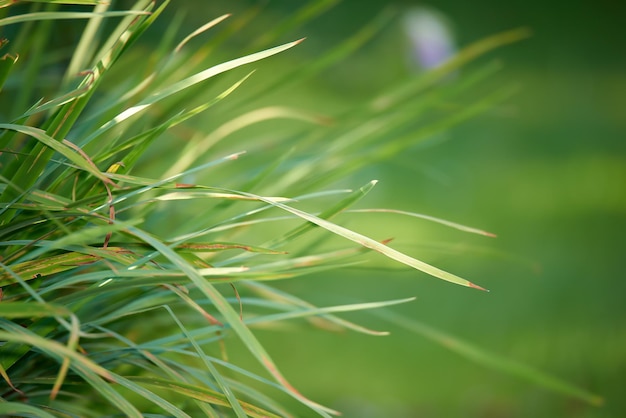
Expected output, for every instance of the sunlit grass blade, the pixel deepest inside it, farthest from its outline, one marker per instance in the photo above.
(186, 83)
(26, 171)
(428, 218)
(280, 296)
(310, 312)
(372, 244)
(196, 149)
(200, 30)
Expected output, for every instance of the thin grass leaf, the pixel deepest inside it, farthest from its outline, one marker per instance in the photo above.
(200, 30)
(188, 82)
(89, 37)
(372, 244)
(72, 343)
(27, 171)
(90, 371)
(309, 312)
(280, 296)
(65, 16)
(196, 149)
(428, 218)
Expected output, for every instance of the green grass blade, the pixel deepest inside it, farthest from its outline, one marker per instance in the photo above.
(83, 53)
(372, 244)
(284, 297)
(428, 218)
(19, 409)
(65, 16)
(188, 82)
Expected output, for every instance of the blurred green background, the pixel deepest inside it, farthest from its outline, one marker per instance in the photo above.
(545, 171)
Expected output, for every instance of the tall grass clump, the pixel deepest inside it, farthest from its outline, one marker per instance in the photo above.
(138, 241)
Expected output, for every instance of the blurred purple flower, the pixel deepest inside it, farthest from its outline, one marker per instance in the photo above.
(430, 37)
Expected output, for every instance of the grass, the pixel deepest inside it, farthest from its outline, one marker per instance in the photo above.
(137, 242)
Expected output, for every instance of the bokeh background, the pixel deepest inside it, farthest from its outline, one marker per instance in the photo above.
(545, 170)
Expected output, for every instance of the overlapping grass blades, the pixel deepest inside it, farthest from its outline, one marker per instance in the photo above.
(94, 249)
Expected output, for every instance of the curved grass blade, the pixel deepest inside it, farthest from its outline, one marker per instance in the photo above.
(280, 296)
(188, 82)
(428, 218)
(310, 312)
(195, 149)
(200, 30)
(90, 371)
(372, 244)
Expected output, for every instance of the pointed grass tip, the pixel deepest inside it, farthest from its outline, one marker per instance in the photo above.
(475, 286)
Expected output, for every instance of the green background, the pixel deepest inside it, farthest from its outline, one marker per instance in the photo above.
(544, 170)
